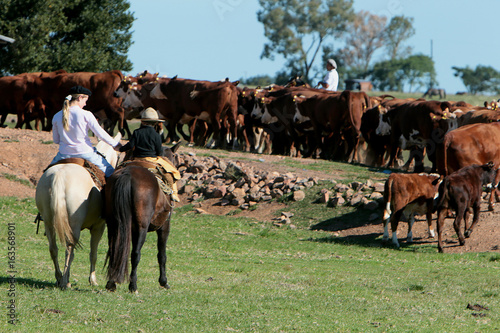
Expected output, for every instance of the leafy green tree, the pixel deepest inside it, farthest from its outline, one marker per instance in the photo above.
(399, 29)
(419, 72)
(483, 79)
(297, 29)
(414, 72)
(77, 35)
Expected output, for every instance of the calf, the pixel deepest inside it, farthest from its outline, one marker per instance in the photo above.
(460, 191)
(409, 194)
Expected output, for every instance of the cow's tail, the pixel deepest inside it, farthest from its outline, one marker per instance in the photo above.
(59, 209)
(442, 156)
(443, 193)
(119, 223)
(387, 199)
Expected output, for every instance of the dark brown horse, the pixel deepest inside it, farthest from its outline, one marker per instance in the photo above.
(134, 206)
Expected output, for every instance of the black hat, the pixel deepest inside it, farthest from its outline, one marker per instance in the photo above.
(80, 90)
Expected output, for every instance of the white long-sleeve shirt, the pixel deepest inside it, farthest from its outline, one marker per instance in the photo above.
(76, 140)
(332, 79)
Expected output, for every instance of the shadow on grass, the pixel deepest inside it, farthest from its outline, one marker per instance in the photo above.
(6, 280)
(361, 218)
(356, 219)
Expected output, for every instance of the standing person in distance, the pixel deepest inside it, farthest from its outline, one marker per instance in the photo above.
(70, 129)
(331, 80)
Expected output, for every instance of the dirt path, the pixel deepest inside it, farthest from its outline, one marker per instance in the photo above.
(24, 154)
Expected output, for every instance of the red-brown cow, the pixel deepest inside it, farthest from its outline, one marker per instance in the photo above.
(409, 194)
(179, 92)
(102, 103)
(460, 191)
(467, 145)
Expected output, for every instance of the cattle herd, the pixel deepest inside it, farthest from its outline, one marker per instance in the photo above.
(294, 120)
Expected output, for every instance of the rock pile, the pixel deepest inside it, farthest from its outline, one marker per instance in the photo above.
(236, 184)
(243, 186)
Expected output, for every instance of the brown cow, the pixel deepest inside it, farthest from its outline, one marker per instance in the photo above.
(460, 191)
(409, 194)
(339, 115)
(467, 145)
(278, 108)
(378, 144)
(179, 92)
(102, 103)
(417, 126)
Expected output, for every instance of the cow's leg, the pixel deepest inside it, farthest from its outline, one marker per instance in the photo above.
(428, 215)
(216, 138)
(394, 226)
(475, 219)
(439, 226)
(461, 211)
(386, 217)
(409, 237)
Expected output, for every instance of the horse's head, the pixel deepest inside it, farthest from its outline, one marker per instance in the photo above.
(108, 152)
(171, 154)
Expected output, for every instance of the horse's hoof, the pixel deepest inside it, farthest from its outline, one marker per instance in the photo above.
(132, 288)
(111, 286)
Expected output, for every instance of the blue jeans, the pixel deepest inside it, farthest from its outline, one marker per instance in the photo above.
(92, 157)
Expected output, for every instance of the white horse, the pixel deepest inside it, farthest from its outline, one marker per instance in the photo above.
(69, 202)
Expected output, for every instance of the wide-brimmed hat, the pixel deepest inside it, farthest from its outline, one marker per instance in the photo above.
(150, 114)
(79, 90)
(332, 62)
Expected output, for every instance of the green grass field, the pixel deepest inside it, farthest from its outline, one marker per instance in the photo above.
(232, 274)
(239, 275)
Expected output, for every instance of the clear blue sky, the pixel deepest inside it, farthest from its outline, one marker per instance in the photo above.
(215, 39)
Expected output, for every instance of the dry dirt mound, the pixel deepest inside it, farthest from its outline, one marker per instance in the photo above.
(25, 154)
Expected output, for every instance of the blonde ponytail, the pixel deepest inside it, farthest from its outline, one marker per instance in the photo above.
(67, 103)
(65, 119)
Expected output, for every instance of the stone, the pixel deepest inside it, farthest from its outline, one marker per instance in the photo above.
(379, 187)
(356, 200)
(299, 195)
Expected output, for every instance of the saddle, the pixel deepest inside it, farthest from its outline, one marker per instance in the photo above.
(97, 174)
(164, 178)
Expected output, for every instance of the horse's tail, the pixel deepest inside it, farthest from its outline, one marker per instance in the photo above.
(60, 210)
(119, 223)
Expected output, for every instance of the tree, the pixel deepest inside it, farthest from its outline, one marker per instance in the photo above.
(400, 28)
(258, 80)
(483, 79)
(364, 36)
(297, 29)
(77, 35)
(419, 72)
(415, 72)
